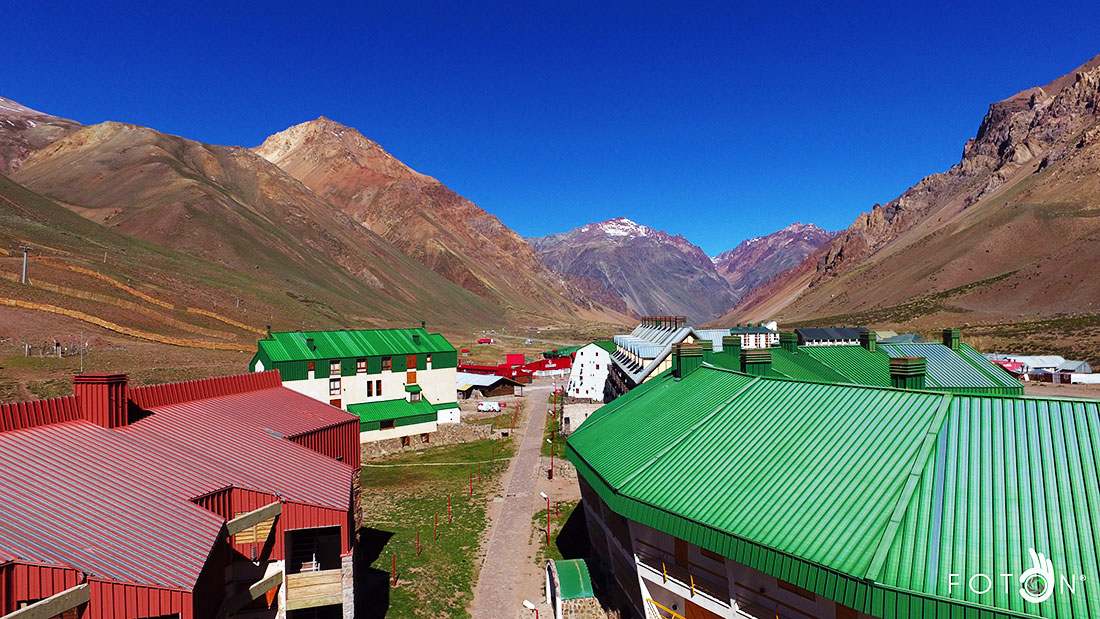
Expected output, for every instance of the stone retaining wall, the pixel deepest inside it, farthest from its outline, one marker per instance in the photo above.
(446, 434)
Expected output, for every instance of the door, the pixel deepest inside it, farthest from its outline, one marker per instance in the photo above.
(694, 611)
(681, 552)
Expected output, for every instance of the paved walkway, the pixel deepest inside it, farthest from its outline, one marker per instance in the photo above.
(508, 556)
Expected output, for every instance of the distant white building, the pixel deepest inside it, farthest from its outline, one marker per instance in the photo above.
(762, 335)
(588, 376)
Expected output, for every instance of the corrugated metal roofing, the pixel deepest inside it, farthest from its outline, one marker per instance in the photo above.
(858, 365)
(945, 367)
(106, 504)
(245, 434)
(829, 334)
(37, 413)
(292, 345)
(868, 496)
(390, 409)
(465, 380)
(117, 504)
(1007, 475)
(573, 578)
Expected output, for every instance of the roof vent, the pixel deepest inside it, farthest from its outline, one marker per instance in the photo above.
(310, 344)
(788, 342)
(756, 361)
(908, 372)
(868, 340)
(686, 358)
(731, 345)
(416, 338)
(951, 338)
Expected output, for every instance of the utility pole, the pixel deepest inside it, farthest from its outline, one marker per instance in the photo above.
(26, 250)
(80, 344)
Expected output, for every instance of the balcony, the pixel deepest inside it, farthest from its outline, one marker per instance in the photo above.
(697, 580)
(310, 589)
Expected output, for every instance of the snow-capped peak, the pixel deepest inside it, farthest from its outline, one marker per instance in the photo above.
(621, 226)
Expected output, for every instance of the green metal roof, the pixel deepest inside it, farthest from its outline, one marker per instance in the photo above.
(414, 388)
(574, 579)
(390, 409)
(608, 346)
(858, 365)
(292, 345)
(868, 496)
(445, 405)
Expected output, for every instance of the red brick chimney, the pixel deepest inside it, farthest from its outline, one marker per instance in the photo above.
(101, 398)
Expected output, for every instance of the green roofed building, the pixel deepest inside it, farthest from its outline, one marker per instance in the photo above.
(715, 492)
(950, 366)
(375, 373)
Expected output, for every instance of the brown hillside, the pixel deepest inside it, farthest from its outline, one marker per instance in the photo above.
(1011, 233)
(428, 221)
(230, 207)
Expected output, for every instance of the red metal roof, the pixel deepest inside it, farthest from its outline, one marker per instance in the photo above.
(104, 504)
(556, 363)
(116, 503)
(514, 359)
(37, 413)
(246, 433)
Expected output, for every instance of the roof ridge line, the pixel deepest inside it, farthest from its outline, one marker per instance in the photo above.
(915, 473)
(689, 432)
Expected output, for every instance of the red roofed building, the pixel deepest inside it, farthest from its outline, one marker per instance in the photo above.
(213, 498)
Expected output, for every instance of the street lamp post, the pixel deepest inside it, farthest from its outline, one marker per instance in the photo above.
(544, 495)
(551, 441)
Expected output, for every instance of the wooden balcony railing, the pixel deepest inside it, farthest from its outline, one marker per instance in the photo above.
(309, 589)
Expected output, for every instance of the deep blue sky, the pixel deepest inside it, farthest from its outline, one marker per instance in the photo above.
(717, 121)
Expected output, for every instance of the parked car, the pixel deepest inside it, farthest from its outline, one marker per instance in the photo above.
(488, 407)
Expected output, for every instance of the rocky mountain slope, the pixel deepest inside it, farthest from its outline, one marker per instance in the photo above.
(229, 207)
(759, 259)
(23, 131)
(429, 222)
(1010, 233)
(654, 272)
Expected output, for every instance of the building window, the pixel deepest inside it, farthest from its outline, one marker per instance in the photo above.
(429, 357)
(334, 386)
(597, 366)
(378, 387)
(334, 367)
(414, 397)
(387, 363)
(424, 437)
(405, 441)
(386, 424)
(370, 389)
(312, 366)
(360, 366)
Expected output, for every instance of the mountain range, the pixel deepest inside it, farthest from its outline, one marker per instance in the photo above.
(176, 241)
(1010, 234)
(660, 273)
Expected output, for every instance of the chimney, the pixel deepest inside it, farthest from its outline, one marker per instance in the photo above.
(731, 345)
(101, 398)
(423, 325)
(951, 338)
(416, 339)
(310, 344)
(756, 361)
(269, 332)
(788, 342)
(907, 372)
(686, 358)
(707, 347)
(868, 340)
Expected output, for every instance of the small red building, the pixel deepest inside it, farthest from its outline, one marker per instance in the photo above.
(209, 498)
